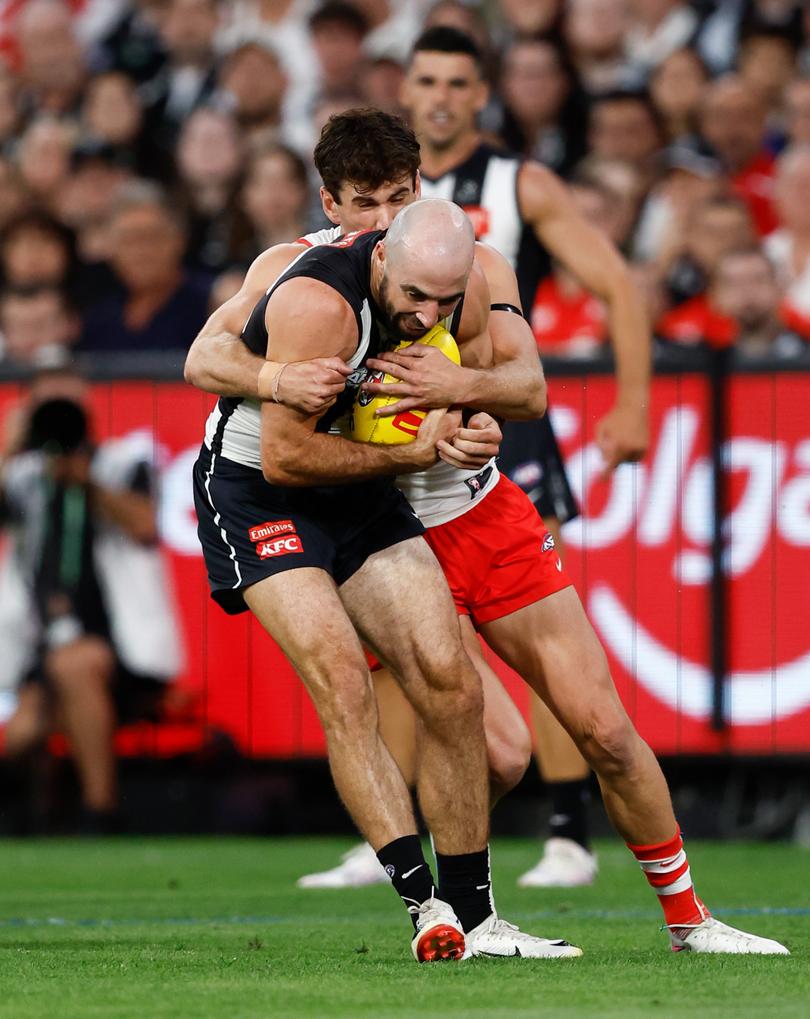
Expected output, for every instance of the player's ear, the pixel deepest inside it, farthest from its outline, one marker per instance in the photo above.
(329, 206)
(482, 96)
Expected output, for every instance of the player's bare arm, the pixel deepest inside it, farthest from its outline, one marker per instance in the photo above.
(219, 362)
(306, 319)
(623, 434)
(500, 369)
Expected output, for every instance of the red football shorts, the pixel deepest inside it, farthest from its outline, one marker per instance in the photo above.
(498, 557)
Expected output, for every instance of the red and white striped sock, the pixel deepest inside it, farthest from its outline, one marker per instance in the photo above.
(667, 869)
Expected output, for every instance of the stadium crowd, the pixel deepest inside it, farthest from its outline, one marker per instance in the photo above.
(150, 150)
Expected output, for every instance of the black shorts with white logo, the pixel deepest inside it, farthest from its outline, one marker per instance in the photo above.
(531, 458)
(250, 529)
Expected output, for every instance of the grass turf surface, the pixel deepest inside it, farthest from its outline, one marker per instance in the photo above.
(204, 928)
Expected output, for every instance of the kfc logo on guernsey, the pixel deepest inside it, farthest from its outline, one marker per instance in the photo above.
(641, 556)
(279, 546)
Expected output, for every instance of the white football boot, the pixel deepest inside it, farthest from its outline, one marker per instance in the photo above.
(716, 937)
(564, 864)
(496, 937)
(358, 868)
(439, 936)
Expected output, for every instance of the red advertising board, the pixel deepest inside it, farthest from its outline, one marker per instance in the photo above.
(639, 556)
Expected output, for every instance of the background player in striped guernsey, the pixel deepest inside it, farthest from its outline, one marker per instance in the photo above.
(566, 650)
(524, 211)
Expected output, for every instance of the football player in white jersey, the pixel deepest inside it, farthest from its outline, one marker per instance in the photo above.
(523, 210)
(503, 570)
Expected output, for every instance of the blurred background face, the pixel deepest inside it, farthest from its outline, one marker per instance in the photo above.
(715, 230)
(531, 17)
(209, 150)
(44, 156)
(598, 209)
(254, 78)
(443, 92)
(793, 192)
(767, 63)
(534, 85)
(35, 321)
(340, 52)
(677, 85)
(112, 111)
(85, 202)
(13, 195)
(745, 288)
(51, 55)
(273, 196)
(188, 29)
(733, 122)
(381, 84)
(456, 14)
(595, 28)
(146, 247)
(624, 130)
(33, 255)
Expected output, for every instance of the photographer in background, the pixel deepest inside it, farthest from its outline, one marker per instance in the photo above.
(85, 546)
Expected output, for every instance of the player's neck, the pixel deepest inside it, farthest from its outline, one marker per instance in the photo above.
(438, 162)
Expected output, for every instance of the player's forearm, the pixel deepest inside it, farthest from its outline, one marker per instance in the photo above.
(332, 460)
(515, 390)
(630, 337)
(220, 363)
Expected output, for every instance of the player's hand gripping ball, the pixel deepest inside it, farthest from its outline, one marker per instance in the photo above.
(401, 428)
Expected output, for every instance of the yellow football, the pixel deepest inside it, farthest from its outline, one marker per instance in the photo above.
(400, 428)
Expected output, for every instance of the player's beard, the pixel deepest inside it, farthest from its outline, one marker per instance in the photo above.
(402, 325)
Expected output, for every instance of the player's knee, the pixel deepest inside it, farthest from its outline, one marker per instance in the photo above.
(83, 664)
(508, 757)
(345, 702)
(609, 743)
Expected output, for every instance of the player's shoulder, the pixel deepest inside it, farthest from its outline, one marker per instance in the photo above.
(539, 189)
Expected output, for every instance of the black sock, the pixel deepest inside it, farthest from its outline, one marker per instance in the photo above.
(465, 882)
(404, 862)
(569, 810)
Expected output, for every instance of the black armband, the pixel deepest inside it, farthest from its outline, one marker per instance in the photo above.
(506, 307)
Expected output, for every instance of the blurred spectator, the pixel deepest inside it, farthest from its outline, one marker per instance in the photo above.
(656, 29)
(767, 62)
(714, 228)
(531, 17)
(255, 81)
(86, 198)
(209, 163)
(690, 178)
(731, 20)
(624, 126)
(38, 327)
(161, 306)
(567, 320)
(9, 106)
(594, 32)
(789, 247)
(86, 548)
(52, 70)
(36, 248)
(188, 78)
(132, 44)
(464, 17)
(380, 83)
(329, 105)
(226, 286)
(544, 115)
(733, 123)
(676, 88)
(745, 289)
(112, 115)
(275, 199)
(43, 158)
(393, 26)
(626, 185)
(338, 30)
(797, 111)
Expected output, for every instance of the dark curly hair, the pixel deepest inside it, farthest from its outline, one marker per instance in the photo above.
(367, 148)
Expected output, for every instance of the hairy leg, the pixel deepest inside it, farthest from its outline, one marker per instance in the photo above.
(553, 646)
(302, 611)
(397, 723)
(80, 674)
(401, 606)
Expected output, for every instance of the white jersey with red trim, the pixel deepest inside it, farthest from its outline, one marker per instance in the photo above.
(442, 492)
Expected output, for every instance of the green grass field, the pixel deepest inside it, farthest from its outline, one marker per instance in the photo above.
(204, 928)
